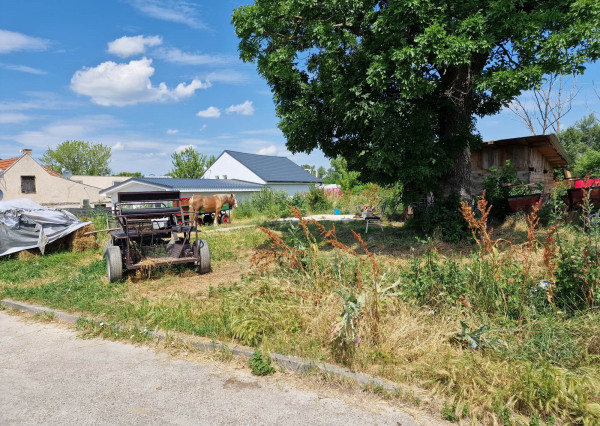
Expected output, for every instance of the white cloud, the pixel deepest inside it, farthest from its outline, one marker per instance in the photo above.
(227, 76)
(112, 84)
(13, 118)
(172, 131)
(178, 11)
(11, 41)
(129, 46)
(118, 147)
(83, 128)
(182, 148)
(38, 100)
(270, 150)
(244, 109)
(270, 131)
(23, 68)
(180, 57)
(210, 112)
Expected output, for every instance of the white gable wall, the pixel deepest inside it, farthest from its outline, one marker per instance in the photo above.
(232, 168)
(50, 190)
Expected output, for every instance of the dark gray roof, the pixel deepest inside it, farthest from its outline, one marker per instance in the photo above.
(271, 168)
(177, 183)
(193, 184)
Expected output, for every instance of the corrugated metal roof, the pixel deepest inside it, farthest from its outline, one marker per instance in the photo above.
(271, 168)
(192, 184)
(183, 184)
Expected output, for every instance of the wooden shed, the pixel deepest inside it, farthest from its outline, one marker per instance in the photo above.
(533, 157)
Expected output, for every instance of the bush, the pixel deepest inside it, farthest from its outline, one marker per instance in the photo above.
(442, 219)
(495, 190)
(318, 201)
(266, 202)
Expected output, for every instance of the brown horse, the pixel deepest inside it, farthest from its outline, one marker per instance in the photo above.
(212, 204)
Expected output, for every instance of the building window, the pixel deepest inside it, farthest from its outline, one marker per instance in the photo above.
(28, 184)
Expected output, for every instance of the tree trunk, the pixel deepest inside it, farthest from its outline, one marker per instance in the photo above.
(459, 178)
(456, 124)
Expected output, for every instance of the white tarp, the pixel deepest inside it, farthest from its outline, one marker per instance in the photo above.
(24, 224)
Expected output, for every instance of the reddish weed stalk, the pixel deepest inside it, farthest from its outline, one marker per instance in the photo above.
(528, 248)
(478, 227)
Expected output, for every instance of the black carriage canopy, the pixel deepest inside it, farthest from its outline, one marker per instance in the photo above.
(24, 224)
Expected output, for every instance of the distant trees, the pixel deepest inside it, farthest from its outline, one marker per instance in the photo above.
(189, 163)
(338, 173)
(79, 157)
(582, 143)
(131, 174)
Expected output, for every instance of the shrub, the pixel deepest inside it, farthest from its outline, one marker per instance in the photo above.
(318, 201)
(442, 219)
(496, 191)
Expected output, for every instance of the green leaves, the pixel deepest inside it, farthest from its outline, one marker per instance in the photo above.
(80, 157)
(394, 87)
(189, 163)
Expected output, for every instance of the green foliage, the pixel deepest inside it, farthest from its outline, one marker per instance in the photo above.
(339, 174)
(261, 364)
(189, 163)
(79, 157)
(131, 174)
(582, 143)
(394, 87)
(497, 191)
(440, 219)
(476, 339)
(318, 201)
(268, 203)
(589, 162)
(581, 137)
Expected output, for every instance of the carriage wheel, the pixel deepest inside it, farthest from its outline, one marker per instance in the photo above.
(224, 218)
(108, 244)
(114, 263)
(208, 219)
(203, 263)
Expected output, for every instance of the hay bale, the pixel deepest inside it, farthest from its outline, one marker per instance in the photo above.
(81, 242)
(28, 254)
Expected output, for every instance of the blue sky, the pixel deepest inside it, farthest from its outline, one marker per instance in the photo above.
(149, 77)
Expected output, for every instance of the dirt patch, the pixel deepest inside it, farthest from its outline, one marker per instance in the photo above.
(235, 384)
(188, 281)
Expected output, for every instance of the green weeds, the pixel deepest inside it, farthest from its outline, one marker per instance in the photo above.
(260, 364)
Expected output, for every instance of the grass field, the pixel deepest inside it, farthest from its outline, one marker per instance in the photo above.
(467, 324)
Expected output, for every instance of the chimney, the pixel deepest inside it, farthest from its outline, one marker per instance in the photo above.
(27, 151)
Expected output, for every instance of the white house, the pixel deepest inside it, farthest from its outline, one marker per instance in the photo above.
(187, 187)
(276, 173)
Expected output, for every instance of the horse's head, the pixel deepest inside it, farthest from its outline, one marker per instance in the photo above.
(232, 201)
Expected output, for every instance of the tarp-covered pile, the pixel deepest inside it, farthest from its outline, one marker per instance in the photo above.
(24, 224)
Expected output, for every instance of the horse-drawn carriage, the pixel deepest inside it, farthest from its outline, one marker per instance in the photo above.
(154, 230)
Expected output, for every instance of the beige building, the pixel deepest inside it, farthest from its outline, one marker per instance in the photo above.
(23, 177)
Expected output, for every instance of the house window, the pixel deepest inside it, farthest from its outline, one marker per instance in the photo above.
(28, 184)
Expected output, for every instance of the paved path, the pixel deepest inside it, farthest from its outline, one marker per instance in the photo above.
(49, 376)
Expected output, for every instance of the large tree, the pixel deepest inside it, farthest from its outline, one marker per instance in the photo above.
(79, 157)
(189, 163)
(395, 86)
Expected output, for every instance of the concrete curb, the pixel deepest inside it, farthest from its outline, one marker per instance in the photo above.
(288, 362)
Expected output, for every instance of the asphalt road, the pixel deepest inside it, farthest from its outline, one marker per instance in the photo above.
(50, 376)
